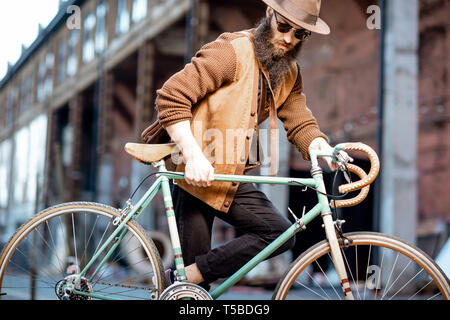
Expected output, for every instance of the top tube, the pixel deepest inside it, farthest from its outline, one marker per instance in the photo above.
(310, 182)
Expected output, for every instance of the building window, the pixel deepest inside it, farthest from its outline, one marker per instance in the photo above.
(139, 10)
(2, 111)
(88, 45)
(25, 92)
(44, 76)
(40, 80)
(11, 101)
(5, 169)
(72, 57)
(61, 60)
(29, 160)
(21, 153)
(123, 17)
(100, 31)
(158, 9)
(49, 64)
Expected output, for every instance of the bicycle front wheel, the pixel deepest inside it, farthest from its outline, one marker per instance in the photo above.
(50, 251)
(378, 267)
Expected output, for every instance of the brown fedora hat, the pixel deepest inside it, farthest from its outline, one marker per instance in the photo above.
(304, 13)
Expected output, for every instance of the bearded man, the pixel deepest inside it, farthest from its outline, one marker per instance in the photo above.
(232, 85)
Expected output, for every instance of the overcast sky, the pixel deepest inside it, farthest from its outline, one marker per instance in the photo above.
(19, 21)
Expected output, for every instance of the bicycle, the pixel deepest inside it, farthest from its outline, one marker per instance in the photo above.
(55, 255)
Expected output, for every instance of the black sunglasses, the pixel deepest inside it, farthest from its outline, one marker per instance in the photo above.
(300, 34)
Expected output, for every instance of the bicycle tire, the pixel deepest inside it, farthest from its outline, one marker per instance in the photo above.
(45, 251)
(377, 282)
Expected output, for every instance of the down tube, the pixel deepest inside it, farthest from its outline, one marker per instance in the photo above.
(295, 228)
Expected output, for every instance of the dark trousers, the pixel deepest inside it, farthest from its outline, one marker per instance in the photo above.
(252, 215)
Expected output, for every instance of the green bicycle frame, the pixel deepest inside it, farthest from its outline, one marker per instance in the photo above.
(162, 182)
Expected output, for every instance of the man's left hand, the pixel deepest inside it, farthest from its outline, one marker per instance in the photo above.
(322, 145)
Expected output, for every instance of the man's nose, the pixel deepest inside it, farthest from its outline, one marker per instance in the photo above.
(288, 36)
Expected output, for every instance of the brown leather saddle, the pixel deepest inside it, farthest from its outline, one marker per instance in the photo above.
(149, 153)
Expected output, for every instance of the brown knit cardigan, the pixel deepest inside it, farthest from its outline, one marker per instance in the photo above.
(218, 92)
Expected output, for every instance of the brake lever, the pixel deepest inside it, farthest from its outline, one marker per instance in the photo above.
(342, 160)
(346, 176)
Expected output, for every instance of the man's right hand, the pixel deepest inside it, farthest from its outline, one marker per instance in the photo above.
(198, 171)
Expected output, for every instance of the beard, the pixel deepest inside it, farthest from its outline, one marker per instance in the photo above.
(276, 61)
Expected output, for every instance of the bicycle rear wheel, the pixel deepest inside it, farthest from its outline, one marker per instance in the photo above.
(378, 266)
(52, 248)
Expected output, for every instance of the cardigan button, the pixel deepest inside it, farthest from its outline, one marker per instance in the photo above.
(253, 113)
(226, 204)
(234, 184)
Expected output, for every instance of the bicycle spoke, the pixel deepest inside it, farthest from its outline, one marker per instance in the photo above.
(351, 273)
(54, 245)
(317, 284)
(380, 276)
(398, 277)
(332, 286)
(108, 276)
(390, 275)
(119, 256)
(101, 239)
(407, 283)
(367, 270)
(75, 242)
(90, 237)
(33, 246)
(44, 241)
(434, 296)
(421, 289)
(357, 270)
(309, 289)
(27, 272)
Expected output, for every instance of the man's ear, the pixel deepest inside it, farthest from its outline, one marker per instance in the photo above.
(269, 11)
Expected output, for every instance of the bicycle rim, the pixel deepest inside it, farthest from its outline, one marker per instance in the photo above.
(379, 267)
(54, 246)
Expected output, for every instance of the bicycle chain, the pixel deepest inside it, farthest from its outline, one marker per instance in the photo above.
(124, 286)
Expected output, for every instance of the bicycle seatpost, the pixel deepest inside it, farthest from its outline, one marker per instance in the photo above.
(160, 165)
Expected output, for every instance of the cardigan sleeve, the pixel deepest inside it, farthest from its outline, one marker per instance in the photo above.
(300, 124)
(213, 66)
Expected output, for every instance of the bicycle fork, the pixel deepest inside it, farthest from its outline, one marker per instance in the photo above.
(330, 231)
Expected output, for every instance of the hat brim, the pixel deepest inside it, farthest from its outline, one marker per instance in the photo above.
(321, 27)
